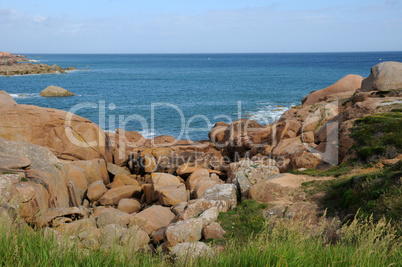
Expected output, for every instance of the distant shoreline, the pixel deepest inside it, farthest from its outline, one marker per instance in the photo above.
(11, 65)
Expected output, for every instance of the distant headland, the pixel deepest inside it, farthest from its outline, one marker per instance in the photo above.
(19, 65)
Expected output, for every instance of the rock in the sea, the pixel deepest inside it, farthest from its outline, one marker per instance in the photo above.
(55, 91)
(384, 76)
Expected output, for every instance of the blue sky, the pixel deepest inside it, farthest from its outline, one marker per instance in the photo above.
(219, 26)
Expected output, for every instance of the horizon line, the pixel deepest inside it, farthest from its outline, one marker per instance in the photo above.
(196, 53)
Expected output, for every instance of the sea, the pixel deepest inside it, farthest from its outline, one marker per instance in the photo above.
(184, 95)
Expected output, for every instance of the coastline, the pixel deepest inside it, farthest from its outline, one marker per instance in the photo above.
(77, 179)
(11, 65)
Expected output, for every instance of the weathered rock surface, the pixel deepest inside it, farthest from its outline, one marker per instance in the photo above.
(134, 238)
(47, 176)
(213, 231)
(67, 135)
(188, 251)
(172, 194)
(55, 91)
(96, 190)
(153, 218)
(349, 83)
(184, 231)
(113, 196)
(47, 218)
(222, 192)
(109, 216)
(94, 170)
(384, 77)
(13, 162)
(129, 205)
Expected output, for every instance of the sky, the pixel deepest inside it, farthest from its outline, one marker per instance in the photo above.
(203, 26)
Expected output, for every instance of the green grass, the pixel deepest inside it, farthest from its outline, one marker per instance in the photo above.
(376, 133)
(281, 243)
(378, 193)
(335, 171)
(243, 221)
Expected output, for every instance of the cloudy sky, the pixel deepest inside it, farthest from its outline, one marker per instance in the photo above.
(203, 26)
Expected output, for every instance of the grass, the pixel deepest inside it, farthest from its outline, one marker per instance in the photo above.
(376, 133)
(378, 193)
(335, 171)
(281, 243)
(244, 221)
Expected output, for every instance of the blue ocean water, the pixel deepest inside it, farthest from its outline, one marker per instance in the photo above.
(185, 94)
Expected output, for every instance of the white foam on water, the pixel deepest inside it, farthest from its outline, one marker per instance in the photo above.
(147, 134)
(268, 113)
(24, 95)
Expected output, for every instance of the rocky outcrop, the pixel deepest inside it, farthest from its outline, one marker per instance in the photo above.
(384, 77)
(17, 65)
(348, 84)
(46, 180)
(67, 135)
(55, 91)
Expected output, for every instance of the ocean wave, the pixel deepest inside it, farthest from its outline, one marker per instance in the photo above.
(268, 113)
(24, 95)
(147, 134)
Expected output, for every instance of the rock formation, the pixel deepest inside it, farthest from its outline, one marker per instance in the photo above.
(55, 91)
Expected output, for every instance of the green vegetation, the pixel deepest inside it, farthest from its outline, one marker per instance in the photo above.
(281, 243)
(378, 193)
(9, 173)
(244, 221)
(376, 133)
(335, 171)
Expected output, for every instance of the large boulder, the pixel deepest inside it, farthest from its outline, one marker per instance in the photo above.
(113, 196)
(222, 192)
(68, 136)
(348, 84)
(217, 133)
(109, 216)
(191, 251)
(172, 194)
(6, 99)
(55, 91)
(153, 218)
(189, 230)
(134, 238)
(384, 77)
(96, 190)
(46, 171)
(94, 170)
